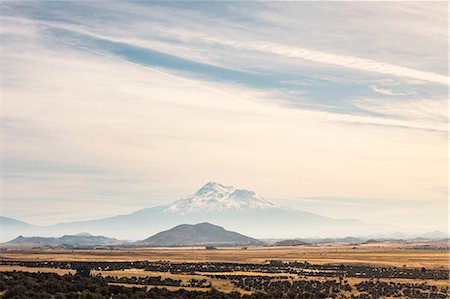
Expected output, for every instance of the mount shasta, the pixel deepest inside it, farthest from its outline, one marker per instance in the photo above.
(237, 209)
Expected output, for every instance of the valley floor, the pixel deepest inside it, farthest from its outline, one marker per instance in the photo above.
(382, 270)
(433, 255)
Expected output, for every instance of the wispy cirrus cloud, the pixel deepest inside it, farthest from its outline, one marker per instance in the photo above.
(386, 91)
(350, 62)
(188, 93)
(425, 110)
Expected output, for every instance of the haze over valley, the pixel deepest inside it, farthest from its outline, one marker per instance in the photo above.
(237, 209)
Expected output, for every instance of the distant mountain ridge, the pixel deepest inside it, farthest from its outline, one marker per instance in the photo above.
(11, 222)
(291, 242)
(11, 228)
(198, 234)
(82, 239)
(433, 235)
(236, 209)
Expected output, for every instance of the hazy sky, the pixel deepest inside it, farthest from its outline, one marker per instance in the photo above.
(339, 108)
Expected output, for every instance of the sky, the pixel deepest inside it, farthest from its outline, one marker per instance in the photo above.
(337, 108)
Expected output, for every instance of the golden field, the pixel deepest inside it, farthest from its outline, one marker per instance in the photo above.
(411, 255)
(381, 254)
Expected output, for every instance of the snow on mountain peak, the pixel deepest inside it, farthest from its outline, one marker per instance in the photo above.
(217, 197)
(212, 188)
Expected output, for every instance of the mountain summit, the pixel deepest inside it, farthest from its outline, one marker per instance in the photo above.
(214, 197)
(236, 209)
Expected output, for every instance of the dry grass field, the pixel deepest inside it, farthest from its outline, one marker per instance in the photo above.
(381, 254)
(372, 255)
(6, 268)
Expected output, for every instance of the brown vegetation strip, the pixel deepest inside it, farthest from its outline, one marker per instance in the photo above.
(380, 255)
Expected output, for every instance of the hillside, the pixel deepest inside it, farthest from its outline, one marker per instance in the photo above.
(76, 240)
(197, 234)
(11, 228)
(291, 242)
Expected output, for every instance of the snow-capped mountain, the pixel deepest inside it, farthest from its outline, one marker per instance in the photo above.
(214, 197)
(237, 209)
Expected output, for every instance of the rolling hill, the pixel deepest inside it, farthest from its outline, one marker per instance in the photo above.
(198, 234)
(76, 240)
(291, 242)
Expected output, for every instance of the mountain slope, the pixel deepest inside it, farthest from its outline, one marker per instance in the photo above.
(291, 242)
(216, 197)
(6, 221)
(11, 228)
(433, 235)
(197, 234)
(236, 209)
(80, 239)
